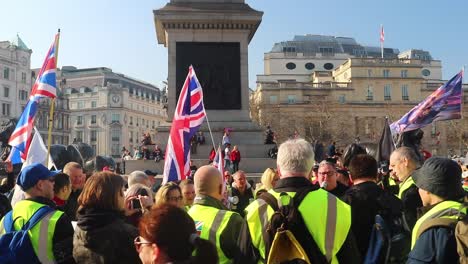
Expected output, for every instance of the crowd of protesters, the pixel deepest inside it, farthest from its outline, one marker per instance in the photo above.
(225, 218)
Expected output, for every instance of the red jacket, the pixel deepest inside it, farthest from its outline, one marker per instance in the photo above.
(235, 156)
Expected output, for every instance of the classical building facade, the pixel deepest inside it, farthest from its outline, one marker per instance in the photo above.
(352, 99)
(110, 110)
(15, 77)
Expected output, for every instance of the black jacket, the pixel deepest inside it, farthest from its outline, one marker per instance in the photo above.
(228, 237)
(244, 199)
(102, 236)
(363, 199)
(62, 241)
(411, 202)
(339, 190)
(435, 245)
(348, 253)
(71, 206)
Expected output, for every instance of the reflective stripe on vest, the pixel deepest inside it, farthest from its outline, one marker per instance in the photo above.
(41, 235)
(325, 209)
(212, 222)
(441, 210)
(405, 186)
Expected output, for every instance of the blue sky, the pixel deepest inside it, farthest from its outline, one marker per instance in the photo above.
(120, 34)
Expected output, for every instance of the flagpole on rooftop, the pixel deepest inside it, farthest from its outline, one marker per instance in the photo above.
(52, 104)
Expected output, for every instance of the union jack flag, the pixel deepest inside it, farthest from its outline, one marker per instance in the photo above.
(188, 117)
(443, 104)
(218, 161)
(44, 86)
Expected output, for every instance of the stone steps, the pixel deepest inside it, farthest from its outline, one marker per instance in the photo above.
(249, 165)
(246, 151)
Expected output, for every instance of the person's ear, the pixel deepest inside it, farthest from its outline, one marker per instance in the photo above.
(220, 189)
(155, 252)
(278, 170)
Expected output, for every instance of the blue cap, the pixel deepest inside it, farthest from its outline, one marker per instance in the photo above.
(31, 174)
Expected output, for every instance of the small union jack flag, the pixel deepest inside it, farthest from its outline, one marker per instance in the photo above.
(45, 86)
(188, 117)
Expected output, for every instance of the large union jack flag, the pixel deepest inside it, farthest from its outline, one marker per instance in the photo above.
(188, 117)
(44, 86)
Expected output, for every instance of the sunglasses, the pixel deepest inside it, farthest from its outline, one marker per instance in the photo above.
(139, 244)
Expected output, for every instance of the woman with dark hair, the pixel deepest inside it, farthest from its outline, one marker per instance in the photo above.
(102, 235)
(168, 235)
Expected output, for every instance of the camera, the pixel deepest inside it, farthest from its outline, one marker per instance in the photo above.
(136, 204)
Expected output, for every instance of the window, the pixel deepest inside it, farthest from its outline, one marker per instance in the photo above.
(404, 73)
(23, 95)
(131, 136)
(115, 135)
(93, 137)
(154, 123)
(387, 92)
(342, 98)
(291, 66)
(309, 66)
(23, 77)
(370, 93)
(79, 120)
(5, 109)
(115, 118)
(93, 104)
(131, 120)
(273, 99)
(326, 51)
(6, 92)
(79, 136)
(291, 99)
(328, 66)
(369, 73)
(6, 73)
(115, 150)
(94, 148)
(93, 119)
(80, 105)
(404, 92)
(386, 73)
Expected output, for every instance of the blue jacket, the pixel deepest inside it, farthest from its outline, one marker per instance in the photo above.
(436, 245)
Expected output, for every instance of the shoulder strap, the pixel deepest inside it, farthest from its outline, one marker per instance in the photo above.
(270, 200)
(436, 222)
(37, 216)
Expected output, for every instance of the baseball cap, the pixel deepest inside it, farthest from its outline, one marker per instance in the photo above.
(31, 174)
(440, 176)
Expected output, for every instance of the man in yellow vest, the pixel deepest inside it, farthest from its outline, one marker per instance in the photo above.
(52, 237)
(327, 219)
(212, 219)
(403, 162)
(442, 196)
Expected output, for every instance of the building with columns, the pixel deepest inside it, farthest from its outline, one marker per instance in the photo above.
(351, 99)
(15, 77)
(110, 110)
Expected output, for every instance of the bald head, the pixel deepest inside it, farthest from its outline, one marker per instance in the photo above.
(208, 181)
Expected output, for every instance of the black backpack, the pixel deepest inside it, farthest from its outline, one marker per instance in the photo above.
(287, 217)
(390, 240)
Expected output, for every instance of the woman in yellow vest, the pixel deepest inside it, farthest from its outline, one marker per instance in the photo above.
(442, 195)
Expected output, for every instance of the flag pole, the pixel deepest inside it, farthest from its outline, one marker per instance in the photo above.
(52, 105)
(209, 127)
(382, 36)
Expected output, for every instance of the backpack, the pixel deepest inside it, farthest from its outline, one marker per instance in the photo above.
(286, 240)
(16, 246)
(390, 240)
(460, 225)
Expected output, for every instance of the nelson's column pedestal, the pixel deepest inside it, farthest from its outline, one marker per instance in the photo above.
(213, 36)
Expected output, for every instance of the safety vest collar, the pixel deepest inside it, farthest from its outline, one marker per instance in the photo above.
(405, 186)
(445, 209)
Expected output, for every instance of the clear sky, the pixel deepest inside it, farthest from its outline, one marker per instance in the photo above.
(120, 34)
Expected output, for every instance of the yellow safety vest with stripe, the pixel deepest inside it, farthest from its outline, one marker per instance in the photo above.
(405, 186)
(41, 235)
(211, 222)
(437, 211)
(327, 219)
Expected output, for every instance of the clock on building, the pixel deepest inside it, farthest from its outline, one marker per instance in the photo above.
(115, 99)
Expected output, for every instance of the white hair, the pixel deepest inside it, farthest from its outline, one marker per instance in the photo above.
(137, 177)
(295, 156)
